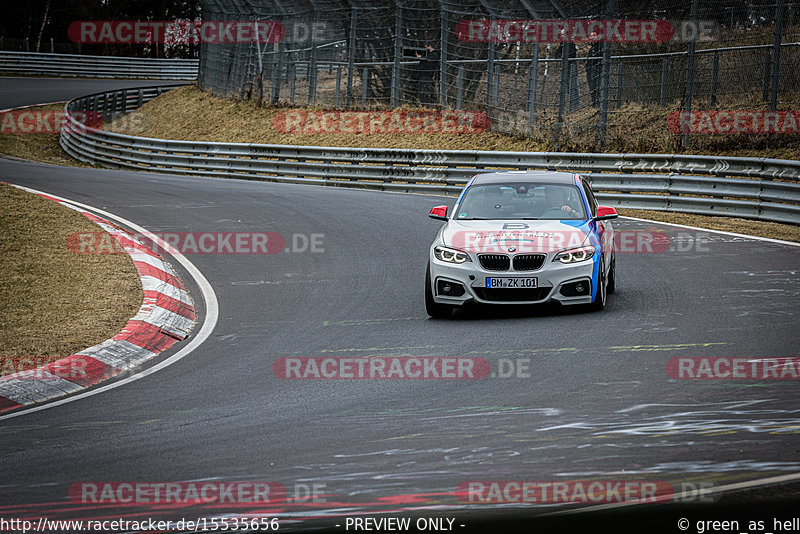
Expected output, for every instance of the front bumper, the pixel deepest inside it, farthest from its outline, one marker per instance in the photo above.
(553, 280)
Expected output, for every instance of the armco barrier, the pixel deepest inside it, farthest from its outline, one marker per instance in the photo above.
(754, 188)
(68, 65)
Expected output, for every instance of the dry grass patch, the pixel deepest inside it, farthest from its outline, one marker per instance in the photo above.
(42, 147)
(54, 303)
(189, 114)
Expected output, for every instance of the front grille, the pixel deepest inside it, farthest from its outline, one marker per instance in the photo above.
(494, 262)
(528, 262)
(511, 295)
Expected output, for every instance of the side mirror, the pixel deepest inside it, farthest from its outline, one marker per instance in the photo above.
(605, 213)
(438, 212)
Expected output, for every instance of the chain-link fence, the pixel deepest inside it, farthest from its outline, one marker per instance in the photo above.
(534, 66)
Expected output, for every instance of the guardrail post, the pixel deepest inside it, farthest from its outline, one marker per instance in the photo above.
(460, 87)
(776, 55)
(533, 81)
(124, 101)
(140, 99)
(714, 79)
(105, 107)
(664, 74)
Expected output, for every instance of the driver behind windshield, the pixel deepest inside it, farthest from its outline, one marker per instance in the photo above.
(559, 197)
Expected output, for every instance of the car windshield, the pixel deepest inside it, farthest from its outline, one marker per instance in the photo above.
(521, 201)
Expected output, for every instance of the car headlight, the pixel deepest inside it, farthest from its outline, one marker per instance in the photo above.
(575, 255)
(450, 255)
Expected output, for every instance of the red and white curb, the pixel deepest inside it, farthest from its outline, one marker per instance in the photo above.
(167, 315)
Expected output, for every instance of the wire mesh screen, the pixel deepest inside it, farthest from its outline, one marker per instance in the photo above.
(556, 69)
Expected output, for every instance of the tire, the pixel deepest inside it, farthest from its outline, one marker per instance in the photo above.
(434, 309)
(612, 277)
(602, 292)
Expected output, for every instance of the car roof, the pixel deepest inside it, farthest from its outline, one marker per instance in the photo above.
(535, 177)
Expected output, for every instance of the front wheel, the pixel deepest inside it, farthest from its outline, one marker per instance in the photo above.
(600, 299)
(434, 309)
(612, 277)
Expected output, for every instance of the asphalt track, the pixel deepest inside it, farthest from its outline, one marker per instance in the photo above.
(598, 404)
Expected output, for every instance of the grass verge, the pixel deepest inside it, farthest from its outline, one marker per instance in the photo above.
(54, 303)
(42, 147)
(174, 115)
(189, 114)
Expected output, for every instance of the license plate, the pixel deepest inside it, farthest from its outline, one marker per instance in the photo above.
(511, 283)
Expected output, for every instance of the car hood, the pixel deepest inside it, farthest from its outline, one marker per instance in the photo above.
(500, 236)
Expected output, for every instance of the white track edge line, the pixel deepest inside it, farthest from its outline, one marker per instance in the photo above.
(720, 489)
(747, 236)
(211, 315)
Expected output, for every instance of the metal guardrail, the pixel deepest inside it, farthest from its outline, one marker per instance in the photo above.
(754, 188)
(68, 65)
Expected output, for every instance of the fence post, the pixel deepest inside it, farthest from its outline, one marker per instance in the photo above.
(664, 74)
(364, 85)
(765, 79)
(562, 91)
(338, 85)
(714, 79)
(618, 97)
(351, 57)
(398, 53)
(776, 55)
(533, 81)
(687, 107)
(277, 73)
(496, 85)
(605, 76)
(292, 81)
(489, 75)
(312, 69)
(460, 87)
(443, 59)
